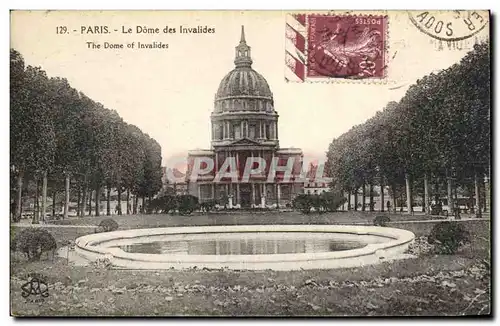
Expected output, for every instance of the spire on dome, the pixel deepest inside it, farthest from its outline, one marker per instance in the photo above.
(243, 58)
(242, 40)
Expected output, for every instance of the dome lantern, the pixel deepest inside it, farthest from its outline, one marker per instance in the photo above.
(243, 57)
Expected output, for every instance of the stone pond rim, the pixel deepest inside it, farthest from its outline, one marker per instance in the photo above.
(92, 247)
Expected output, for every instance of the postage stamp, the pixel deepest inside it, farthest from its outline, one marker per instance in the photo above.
(341, 46)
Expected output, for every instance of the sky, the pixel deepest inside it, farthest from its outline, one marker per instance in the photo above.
(169, 93)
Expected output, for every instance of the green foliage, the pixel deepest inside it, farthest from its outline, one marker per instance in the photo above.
(304, 203)
(448, 237)
(331, 201)
(440, 127)
(381, 220)
(164, 204)
(58, 130)
(187, 204)
(327, 201)
(108, 225)
(33, 242)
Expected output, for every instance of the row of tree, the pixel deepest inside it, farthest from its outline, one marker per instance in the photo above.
(61, 138)
(435, 140)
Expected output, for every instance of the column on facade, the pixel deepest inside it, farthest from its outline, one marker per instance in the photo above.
(213, 191)
(253, 193)
(246, 127)
(260, 129)
(216, 162)
(199, 192)
(230, 195)
(264, 129)
(278, 193)
(238, 196)
(276, 130)
(263, 195)
(242, 127)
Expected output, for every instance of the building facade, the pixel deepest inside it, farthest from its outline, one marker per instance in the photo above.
(245, 125)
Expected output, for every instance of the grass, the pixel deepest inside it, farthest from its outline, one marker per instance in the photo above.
(427, 285)
(241, 217)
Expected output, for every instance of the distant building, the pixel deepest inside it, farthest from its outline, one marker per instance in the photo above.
(176, 187)
(311, 185)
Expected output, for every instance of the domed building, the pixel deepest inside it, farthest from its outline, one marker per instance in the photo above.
(244, 125)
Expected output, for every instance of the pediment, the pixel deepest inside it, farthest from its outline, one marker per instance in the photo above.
(244, 141)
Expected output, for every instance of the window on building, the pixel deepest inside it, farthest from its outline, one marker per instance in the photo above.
(218, 130)
(251, 131)
(237, 131)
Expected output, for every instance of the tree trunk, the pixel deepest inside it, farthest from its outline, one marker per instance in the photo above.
(348, 200)
(44, 195)
(393, 189)
(98, 201)
(128, 201)
(372, 204)
(356, 199)
(78, 199)
(451, 205)
(409, 205)
(66, 196)
(382, 195)
(363, 199)
(427, 204)
(119, 199)
(136, 201)
(84, 196)
(90, 202)
(143, 204)
(17, 214)
(477, 209)
(35, 211)
(108, 201)
(150, 199)
(53, 203)
(436, 192)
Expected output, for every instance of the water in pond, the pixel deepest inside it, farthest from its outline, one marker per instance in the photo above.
(263, 243)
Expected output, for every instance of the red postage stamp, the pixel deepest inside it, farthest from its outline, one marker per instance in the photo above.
(346, 46)
(342, 46)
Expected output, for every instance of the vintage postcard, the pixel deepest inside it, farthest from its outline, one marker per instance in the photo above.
(250, 163)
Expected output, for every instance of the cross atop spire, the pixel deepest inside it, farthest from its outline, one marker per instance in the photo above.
(243, 58)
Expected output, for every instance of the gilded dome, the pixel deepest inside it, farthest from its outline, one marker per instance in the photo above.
(243, 82)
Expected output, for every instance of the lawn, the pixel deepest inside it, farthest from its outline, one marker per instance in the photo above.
(428, 285)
